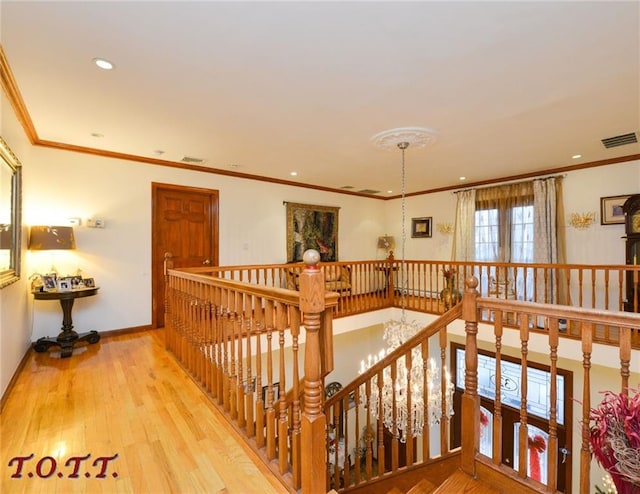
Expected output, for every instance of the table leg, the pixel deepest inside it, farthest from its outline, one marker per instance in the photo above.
(67, 337)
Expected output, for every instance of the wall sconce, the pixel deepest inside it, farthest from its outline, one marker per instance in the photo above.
(445, 228)
(51, 238)
(582, 221)
(388, 243)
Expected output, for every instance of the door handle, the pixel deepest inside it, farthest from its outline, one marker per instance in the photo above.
(564, 452)
(206, 262)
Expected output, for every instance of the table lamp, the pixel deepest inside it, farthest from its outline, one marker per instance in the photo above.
(388, 243)
(51, 238)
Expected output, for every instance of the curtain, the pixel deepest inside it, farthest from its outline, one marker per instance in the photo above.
(549, 238)
(521, 222)
(465, 225)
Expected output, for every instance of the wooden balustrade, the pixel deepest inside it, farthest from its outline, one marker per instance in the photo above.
(231, 337)
(549, 317)
(362, 449)
(237, 331)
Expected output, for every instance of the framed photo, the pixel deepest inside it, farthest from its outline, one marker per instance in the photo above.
(276, 392)
(312, 227)
(421, 227)
(89, 283)
(249, 386)
(64, 285)
(50, 282)
(77, 282)
(611, 210)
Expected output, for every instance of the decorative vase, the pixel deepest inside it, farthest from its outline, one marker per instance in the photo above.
(450, 295)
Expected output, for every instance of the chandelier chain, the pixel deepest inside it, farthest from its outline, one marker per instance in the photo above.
(403, 145)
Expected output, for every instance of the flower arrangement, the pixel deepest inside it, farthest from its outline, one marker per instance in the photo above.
(615, 439)
(449, 274)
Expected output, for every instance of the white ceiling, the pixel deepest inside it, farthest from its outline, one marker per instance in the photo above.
(266, 88)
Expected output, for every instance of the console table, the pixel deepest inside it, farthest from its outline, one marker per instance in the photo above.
(67, 337)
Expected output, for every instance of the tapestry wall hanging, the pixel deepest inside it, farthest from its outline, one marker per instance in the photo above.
(312, 227)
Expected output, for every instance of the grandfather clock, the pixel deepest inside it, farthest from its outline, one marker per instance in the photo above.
(631, 209)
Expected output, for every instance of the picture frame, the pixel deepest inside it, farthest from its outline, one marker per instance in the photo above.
(611, 209)
(312, 227)
(421, 227)
(89, 283)
(249, 386)
(50, 282)
(64, 284)
(77, 282)
(276, 392)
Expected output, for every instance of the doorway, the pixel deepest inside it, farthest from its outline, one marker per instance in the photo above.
(185, 225)
(538, 384)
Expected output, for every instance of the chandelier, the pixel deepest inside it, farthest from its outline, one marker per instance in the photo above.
(416, 392)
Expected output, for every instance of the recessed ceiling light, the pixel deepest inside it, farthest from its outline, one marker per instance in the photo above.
(463, 178)
(103, 64)
(294, 174)
(389, 192)
(96, 134)
(576, 156)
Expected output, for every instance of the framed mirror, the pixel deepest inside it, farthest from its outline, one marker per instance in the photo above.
(10, 215)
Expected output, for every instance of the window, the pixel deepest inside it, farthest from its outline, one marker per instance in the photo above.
(491, 235)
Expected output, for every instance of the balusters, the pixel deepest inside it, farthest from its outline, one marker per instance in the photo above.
(552, 458)
(585, 451)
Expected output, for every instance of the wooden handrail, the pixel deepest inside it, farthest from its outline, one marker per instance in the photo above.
(373, 285)
(217, 326)
(525, 314)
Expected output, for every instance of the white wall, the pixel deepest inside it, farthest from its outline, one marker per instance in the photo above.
(600, 244)
(15, 317)
(59, 185)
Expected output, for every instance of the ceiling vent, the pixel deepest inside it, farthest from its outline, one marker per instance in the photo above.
(369, 191)
(191, 159)
(621, 140)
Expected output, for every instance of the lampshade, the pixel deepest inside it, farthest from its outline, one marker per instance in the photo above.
(51, 238)
(386, 242)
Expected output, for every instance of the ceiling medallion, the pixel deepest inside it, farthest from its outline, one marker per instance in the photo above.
(414, 136)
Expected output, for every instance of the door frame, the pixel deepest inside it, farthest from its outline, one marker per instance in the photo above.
(566, 429)
(156, 187)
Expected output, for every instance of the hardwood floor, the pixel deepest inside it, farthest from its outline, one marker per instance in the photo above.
(123, 396)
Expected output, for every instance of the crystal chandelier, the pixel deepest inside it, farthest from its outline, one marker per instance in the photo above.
(416, 390)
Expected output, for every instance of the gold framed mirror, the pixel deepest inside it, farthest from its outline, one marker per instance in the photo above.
(10, 215)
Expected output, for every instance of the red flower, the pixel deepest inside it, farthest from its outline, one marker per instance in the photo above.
(448, 273)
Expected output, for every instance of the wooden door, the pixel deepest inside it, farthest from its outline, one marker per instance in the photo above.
(184, 224)
(511, 416)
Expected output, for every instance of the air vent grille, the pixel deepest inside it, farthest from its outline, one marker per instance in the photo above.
(369, 191)
(621, 140)
(191, 159)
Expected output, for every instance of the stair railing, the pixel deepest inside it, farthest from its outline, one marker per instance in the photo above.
(485, 318)
(361, 448)
(240, 342)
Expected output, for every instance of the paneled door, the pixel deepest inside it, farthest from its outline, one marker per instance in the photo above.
(185, 224)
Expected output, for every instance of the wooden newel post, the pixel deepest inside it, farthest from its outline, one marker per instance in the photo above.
(470, 399)
(314, 448)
